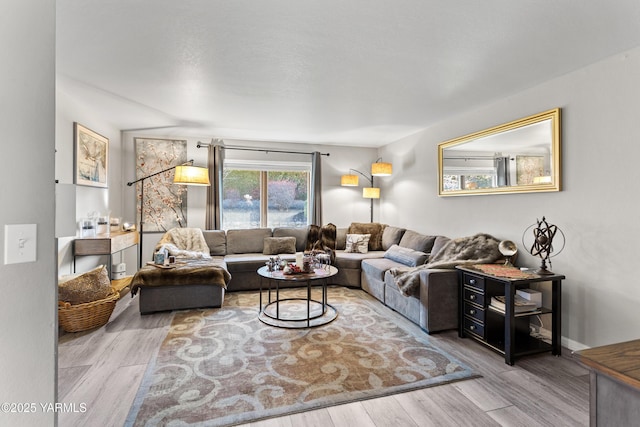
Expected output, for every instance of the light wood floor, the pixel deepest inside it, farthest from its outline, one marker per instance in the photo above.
(103, 368)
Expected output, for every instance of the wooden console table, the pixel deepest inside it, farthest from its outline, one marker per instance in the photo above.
(614, 383)
(107, 244)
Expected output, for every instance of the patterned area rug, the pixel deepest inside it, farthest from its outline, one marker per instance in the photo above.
(223, 366)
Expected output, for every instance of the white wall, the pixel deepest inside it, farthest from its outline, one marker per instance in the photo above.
(75, 201)
(597, 210)
(29, 291)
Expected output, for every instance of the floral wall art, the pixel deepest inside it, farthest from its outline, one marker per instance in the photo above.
(165, 204)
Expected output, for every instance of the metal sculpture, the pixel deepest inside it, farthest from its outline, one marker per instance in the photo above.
(542, 245)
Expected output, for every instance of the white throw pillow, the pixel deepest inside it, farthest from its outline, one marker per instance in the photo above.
(357, 243)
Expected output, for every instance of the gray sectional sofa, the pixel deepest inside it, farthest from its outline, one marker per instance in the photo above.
(433, 305)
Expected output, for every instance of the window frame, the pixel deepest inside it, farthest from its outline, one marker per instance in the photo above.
(264, 168)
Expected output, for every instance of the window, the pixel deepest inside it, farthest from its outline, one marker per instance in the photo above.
(461, 178)
(265, 195)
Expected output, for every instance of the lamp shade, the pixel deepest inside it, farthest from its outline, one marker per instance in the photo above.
(349, 180)
(191, 175)
(381, 169)
(371, 193)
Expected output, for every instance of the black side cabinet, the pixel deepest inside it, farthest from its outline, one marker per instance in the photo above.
(507, 332)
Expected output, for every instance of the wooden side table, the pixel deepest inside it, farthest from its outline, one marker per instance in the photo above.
(614, 383)
(505, 332)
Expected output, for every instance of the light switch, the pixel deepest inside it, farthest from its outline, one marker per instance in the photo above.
(20, 243)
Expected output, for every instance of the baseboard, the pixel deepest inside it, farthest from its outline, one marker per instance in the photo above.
(565, 342)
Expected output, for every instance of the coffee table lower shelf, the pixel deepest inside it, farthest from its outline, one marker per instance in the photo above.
(297, 313)
(292, 313)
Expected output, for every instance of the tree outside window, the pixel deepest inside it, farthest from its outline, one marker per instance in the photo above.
(255, 198)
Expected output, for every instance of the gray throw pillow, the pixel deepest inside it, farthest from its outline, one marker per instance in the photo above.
(391, 236)
(416, 241)
(299, 233)
(406, 256)
(440, 243)
(279, 245)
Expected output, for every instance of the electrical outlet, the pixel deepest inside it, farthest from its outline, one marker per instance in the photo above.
(20, 243)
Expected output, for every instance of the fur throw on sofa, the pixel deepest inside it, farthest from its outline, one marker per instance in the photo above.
(322, 239)
(478, 249)
(184, 243)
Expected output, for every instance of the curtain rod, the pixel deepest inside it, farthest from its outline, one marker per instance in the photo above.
(228, 147)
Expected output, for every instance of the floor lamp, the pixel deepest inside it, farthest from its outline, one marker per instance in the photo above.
(377, 169)
(186, 174)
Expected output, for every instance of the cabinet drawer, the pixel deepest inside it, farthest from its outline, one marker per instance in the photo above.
(92, 247)
(474, 311)
(475, 281)
(474, 327)
(473, 296)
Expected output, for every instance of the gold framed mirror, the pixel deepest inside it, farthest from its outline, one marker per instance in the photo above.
(522, 156)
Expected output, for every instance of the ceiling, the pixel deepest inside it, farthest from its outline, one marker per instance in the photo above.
(349, 72)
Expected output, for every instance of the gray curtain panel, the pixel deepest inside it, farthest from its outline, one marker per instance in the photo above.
(213, 219)
(316, 188)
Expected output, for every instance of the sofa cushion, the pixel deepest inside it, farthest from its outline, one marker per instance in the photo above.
(246, 240)
(279, 245)
(341, 238)
(250, 262)
(353, 261)
(417, 242)
(216, 240)
(440, 242)
(300, 233)
(85, 287)
(358, 243)
(391, 236)
(376, 267)
(406, 256)
(373, 228)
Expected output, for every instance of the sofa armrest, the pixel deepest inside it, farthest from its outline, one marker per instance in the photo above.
(439, 299)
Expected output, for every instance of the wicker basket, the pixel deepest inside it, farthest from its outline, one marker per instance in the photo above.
(81, 317)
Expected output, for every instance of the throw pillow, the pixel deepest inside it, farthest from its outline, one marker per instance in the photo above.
(357, 243)
(417, 242)
(279, 245)
(373, 228)
(391, 236)
(440, 243)
(406, 256)
(85, 287)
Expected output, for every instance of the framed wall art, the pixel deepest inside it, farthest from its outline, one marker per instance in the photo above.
(91, 157)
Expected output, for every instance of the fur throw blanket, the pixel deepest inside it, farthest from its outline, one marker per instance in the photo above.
(322, 239)
(478, 249)
(184, 243)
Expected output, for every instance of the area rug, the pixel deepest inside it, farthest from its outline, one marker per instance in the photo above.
(223, 366)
